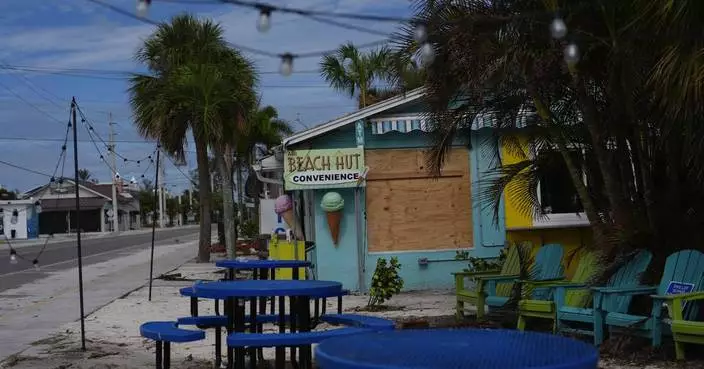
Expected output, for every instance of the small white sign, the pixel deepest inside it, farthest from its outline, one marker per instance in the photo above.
(268, 219)
(330, 177)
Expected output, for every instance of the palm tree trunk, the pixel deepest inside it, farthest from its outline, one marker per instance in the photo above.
(224, 160)
(204, 199)
(240, 195)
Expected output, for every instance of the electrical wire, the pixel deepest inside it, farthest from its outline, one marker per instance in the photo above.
(309, 54)
(29, 103)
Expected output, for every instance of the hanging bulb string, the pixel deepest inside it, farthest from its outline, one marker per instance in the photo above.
(93, 132)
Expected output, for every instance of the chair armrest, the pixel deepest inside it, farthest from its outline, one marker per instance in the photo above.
(637, 290)
(691, 296)
(499, 278)
(554, 284)
(472, 274)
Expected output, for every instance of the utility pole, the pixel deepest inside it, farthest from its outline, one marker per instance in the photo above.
(161, 195)
(115, 216)
(180, 214)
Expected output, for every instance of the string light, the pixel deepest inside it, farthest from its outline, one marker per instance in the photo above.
(286, 64)
(558, 28)
(264, 21)
(427, 53)
(571, 53)
(13, 256)
(35, 263)
(143, 7)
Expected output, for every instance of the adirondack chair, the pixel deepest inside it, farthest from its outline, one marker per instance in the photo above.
(547, 267)
(685, 330)
(545, 309)
(511, 267)
(683, 274)
(572, 308)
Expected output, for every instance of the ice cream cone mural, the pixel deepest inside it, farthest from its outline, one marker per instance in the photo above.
(332, 205)
(284, 208)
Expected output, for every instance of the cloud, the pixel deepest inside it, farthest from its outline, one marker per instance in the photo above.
(84, 35)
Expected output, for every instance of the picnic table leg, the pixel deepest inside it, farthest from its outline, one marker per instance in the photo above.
(263, 275)
(159, 355)
(306, 357)
(230, 311)
(239, 328)
(253, 328)
(281, 351)
(292, 321)
(167, 355)
(273, 299)
(218, 347)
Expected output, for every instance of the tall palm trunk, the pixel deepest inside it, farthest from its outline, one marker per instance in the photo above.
(240, 195)
(224, 159)
(204, 200)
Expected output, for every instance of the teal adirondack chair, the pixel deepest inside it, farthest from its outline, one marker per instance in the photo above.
(683, 273)
(547, 267)
(569, 312)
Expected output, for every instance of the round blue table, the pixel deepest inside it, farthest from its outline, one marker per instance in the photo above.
(266, 288)
(299, 293)
(455, 349)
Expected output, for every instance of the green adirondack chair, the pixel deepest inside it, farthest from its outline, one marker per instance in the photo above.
(511, 267)
(685, 330)
(545, 309)
(683, 273)
(547, 267)
(574, 315)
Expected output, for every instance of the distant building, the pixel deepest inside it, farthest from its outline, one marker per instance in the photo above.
(58, 207)
(18, 219)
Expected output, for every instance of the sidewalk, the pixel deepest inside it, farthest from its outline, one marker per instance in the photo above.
(35, 310)
(66, 237)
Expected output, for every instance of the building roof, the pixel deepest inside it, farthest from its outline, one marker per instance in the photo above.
(370, 110)
(34, 190)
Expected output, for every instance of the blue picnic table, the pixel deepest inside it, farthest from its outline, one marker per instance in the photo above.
(235, 293)
(455, 349)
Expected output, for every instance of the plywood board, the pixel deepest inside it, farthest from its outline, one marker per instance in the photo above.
(409, 210)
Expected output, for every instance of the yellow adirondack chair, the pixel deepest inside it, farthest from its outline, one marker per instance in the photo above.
(545, 309)
(475, 296)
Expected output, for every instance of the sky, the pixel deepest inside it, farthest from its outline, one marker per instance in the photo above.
(60, 35)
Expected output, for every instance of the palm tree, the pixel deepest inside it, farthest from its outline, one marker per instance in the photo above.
(631, 101)
(84, 176)
(263, 128)
(165, 102)
(354, 72)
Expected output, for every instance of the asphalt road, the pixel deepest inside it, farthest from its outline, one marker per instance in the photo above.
(63, 255)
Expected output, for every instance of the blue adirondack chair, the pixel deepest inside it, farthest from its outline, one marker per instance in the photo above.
(547, 267)
(683, 273)
(593, 324)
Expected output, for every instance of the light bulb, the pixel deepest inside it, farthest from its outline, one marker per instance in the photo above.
(143, 7)
(286, 65)
(264, 21)
(571, 53)
(13, 257)
(427, 52)
(35, 263)
(558, 28)
(420, 34)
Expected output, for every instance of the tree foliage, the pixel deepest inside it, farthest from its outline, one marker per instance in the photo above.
(631, 103)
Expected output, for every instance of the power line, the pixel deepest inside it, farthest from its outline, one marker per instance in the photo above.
(43, 69)
(286, 57)
(29, 103)
(23, 168)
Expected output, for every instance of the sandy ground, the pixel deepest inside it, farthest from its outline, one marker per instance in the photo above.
(113, 339)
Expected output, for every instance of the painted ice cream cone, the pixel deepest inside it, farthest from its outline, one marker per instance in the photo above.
(284, 207)
(332, 205)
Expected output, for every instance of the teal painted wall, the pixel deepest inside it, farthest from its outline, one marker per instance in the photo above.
(340, 263)
(436, 274)
(489, 236)
(337, 263)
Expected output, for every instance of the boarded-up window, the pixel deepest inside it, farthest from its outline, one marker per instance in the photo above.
(409, 210)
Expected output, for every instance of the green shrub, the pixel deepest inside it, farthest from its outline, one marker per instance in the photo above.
(482, 265)
(385, 283)
(249, 229)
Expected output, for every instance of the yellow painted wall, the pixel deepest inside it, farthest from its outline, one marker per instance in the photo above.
(514, 217)
(570, 238)
(283, 250)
